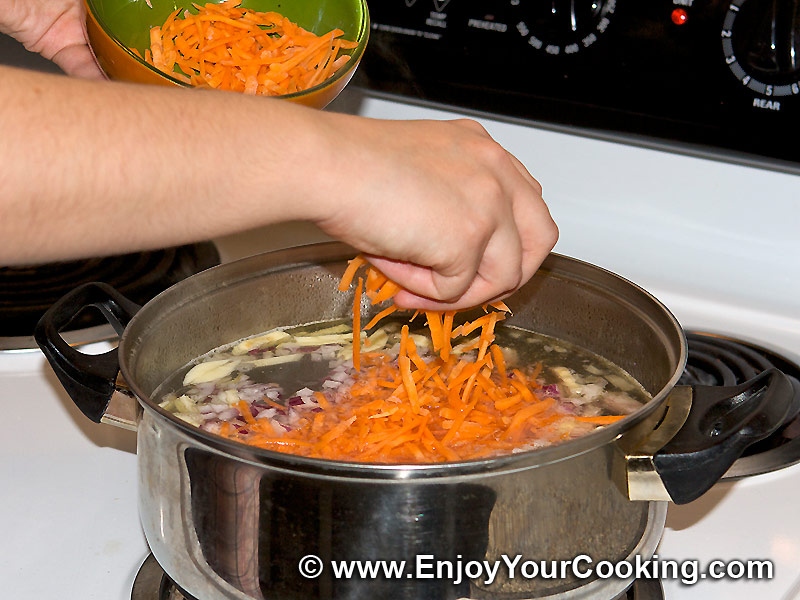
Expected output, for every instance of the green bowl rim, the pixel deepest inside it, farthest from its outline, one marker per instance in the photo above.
(362, 35)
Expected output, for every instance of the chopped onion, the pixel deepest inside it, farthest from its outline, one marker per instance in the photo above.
(227, 414)
(267, 413)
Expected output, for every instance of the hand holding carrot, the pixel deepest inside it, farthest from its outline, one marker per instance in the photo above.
(439, 207)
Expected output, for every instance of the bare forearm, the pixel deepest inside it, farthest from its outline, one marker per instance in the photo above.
(96, 167)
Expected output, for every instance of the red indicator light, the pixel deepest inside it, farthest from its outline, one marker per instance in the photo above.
(679, 16)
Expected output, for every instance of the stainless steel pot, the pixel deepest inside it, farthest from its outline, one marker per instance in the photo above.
(227, 520)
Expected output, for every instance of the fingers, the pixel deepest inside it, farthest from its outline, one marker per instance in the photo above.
(526, 174)
(499, 267)
(463, 221)
(512, 256)
(515, 250)
(538, 232)
(77, 60)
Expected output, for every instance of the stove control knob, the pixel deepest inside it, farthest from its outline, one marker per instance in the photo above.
(562, 26)
(761, 43)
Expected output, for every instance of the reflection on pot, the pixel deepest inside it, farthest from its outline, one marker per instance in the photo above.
(253, 530)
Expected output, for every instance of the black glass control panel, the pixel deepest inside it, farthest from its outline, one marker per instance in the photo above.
(718, 78)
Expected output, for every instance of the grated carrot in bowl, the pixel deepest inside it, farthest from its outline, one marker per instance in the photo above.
(225, 46)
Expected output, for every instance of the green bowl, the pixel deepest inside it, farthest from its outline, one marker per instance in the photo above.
(116, 27)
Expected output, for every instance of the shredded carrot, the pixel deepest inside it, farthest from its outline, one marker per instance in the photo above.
(381, 315)
(322, 400)
(357, 326)
(350, 272)
(273, 404)
(501, 306)
(408, 382)
(435, 327)
(229, 47)
(447, 330)
(387, 291)
(244, 408)
(375, 279)
(445, 408)
(500, 361)
(403, 340)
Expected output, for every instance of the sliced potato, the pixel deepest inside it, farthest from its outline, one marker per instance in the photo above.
(268, 339)
(276, 360)
(210, 371)
(321, 340)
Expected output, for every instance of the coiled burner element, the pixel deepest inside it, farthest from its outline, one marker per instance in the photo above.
(152, 583)
(719, 360)
(26, 292)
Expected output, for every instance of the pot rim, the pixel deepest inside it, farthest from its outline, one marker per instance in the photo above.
(175, 297)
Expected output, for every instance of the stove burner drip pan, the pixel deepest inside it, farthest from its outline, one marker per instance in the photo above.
(718, 360)
(26, 292)
(152, 583)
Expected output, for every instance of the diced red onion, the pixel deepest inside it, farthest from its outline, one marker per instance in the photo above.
(550, 390)
(260, 351)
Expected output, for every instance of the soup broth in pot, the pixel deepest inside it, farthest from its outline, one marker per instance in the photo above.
(296, 390)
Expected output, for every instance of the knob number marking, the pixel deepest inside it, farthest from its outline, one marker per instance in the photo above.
(747, 75)
(564, 27)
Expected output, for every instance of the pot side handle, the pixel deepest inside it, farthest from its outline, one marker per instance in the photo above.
(722, 424)
(707, 428)
(88, 379)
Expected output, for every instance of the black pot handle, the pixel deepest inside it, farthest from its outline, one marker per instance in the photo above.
(722, 423)
(89, 379)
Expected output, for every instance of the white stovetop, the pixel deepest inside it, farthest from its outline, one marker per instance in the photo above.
(68, 516)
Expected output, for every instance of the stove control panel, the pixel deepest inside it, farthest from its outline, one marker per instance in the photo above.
(718, 78)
